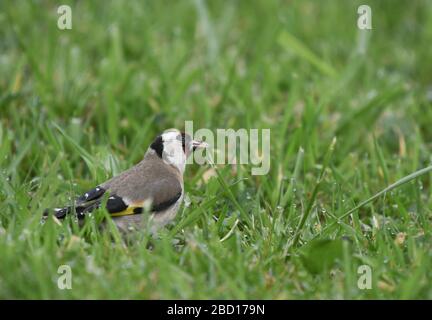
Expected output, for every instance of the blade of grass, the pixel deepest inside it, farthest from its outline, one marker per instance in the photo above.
(289, 193)
(289, 42)
(192, 216)
(228, 192)
(383, 165)
(395, 185)
(314, 194)
(83, 153)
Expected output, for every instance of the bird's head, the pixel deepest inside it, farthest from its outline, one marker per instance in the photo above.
(174, 147)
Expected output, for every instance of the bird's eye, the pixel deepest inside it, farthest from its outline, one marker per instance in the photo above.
(183, 141)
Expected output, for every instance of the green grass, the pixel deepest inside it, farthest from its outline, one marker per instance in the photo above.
(80, 105)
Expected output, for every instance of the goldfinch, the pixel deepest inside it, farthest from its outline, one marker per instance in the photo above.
(154, 185)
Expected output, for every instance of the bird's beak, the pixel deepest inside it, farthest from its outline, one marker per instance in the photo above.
(196, 144)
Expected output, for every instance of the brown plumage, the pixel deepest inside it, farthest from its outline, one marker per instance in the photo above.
(154, 185)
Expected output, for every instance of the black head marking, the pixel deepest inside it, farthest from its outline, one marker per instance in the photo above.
(157, 145)
(185, 139)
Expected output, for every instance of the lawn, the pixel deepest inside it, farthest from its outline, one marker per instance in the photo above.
(350, 114)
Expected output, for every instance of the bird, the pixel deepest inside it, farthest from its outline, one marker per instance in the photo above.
(153, 186)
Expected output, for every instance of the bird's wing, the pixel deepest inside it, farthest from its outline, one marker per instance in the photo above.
(131, 199)
(162, 193)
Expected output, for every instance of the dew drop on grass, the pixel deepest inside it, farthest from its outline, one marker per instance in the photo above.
(187, 201)
(429, 94)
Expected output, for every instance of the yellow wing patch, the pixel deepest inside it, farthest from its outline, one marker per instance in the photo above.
(131, 209)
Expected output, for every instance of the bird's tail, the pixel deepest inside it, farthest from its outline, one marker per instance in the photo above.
(79, 211)
(59, 213)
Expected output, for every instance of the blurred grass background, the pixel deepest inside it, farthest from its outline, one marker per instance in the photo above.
(77, 106)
